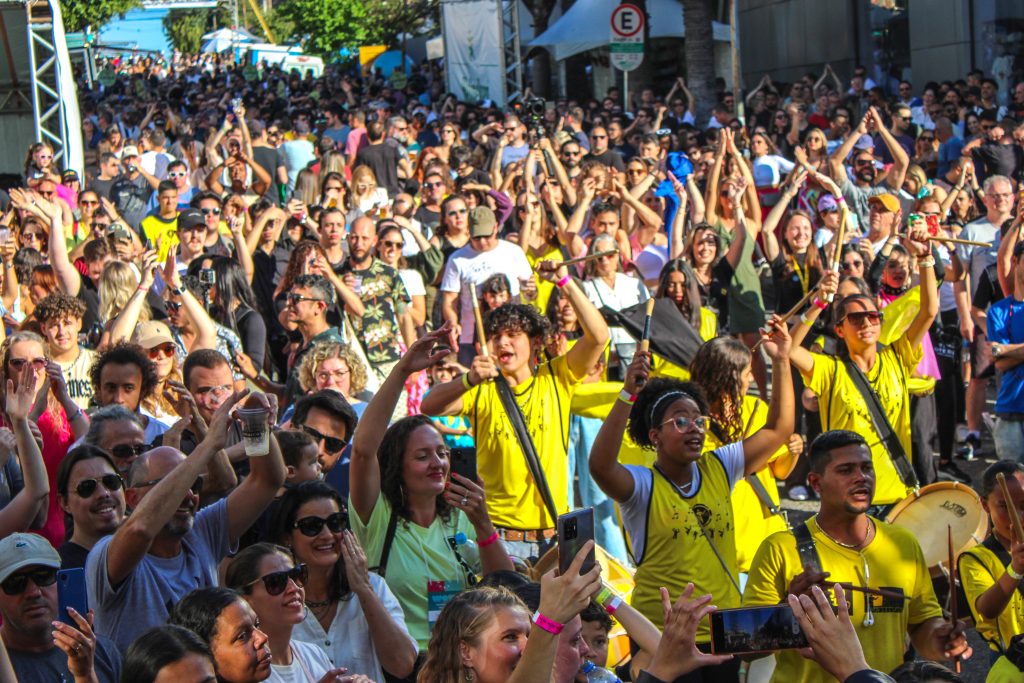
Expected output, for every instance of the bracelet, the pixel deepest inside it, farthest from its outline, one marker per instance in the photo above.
(608, 600)
(176, 291)
(841, 200)
(563, 282)
(627, 397)
(549, 625)
(465, 381)
(490, 540)
(819, 304)
(1013, 575)
(75, 415)
(141, 288)
(926, 262)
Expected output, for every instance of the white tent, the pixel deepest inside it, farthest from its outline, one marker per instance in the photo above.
(586, 26)
(222, 39)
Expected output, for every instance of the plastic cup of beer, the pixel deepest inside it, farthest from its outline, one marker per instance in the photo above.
(255, 431)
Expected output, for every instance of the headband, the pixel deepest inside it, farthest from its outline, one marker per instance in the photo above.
(675, 394)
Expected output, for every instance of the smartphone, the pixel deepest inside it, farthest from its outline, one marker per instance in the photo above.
(574, 530)
(756, 629)
(932, 221)
(463, 462)
(71, 592)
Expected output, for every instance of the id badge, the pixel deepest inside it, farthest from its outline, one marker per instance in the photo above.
(438, 595)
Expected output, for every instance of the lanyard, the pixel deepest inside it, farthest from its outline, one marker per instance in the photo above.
(801, 274)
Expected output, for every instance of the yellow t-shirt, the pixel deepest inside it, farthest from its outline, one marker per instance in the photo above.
(979, 569)
(512, 497)
(894, 562)
(843, 407)
(754, 522)
(544, 288)
(1004, 671)
(162, 234)
(708, 331)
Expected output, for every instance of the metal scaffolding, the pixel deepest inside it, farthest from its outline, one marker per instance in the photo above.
(511, 54)
(47, 104)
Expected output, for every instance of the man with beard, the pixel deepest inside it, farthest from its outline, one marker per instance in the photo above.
(120, 432)
(571, 154)
(849, 545)
(165, 549)
(599, 150)
(28, 604)
(90, 490)
(864, 171)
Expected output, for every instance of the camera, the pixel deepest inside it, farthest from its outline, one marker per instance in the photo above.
(236, 102)
(207, 277)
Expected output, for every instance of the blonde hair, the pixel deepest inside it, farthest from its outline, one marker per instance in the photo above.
(306, 187)
(156, 403)
(117, 285)
(357, 176)
(321, 352)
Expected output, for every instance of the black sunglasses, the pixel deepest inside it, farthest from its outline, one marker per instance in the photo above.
(111, 482)
(277, 582)
(15, 584)
(331, 443)
(173, 306)
(125, 451)
(312, 526)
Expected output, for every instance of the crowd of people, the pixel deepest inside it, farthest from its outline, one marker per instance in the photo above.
(250, 347)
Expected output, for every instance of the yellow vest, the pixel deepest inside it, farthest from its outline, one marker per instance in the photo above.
(979, 569)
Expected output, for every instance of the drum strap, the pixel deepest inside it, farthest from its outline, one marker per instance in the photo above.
(762, 495)
(806, 548)
(881, 423)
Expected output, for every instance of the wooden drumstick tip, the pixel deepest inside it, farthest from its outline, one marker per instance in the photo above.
(1018, 528)
(645, 340)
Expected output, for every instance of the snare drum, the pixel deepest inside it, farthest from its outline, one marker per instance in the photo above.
(928, 511)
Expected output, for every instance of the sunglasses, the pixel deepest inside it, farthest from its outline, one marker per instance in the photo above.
(177, 174)
(388, 244)
(126, 451)
(19, 363)
(87, 487)
(173, 306)
(276, 582)
(433, 185)
(196, 487)
(165, 350)
(849, 265)
(312, 526)
(685, 424)
(207, 211)
(863, 162)
(86, 202)
(332, 444)
(15, 585)
(858, 317)
(333, 188)
(33, 236)
(295, 299)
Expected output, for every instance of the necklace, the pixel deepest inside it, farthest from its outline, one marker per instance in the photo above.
(850, 546)
(314, 604)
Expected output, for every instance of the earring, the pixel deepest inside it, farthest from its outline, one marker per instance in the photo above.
(469, 675)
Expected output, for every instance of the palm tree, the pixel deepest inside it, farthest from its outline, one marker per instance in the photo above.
(700, 55)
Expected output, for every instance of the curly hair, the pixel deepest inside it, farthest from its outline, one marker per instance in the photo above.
(390, 457)
(516, 318)
(653, 402)
(296, 264)
(57, 306)
(126, 353)
(462, 620)
(319, 353)
(718, 368)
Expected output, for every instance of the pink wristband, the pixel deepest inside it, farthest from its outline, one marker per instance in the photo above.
(490, 540)
(819, 304)
(563, 282)
(612, 604)
(549, 625)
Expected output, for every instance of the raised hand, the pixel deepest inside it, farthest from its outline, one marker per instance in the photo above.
(563, 597)
(20, 400)
(468, 496)
(677, 652)
(429, 349)
(638, 372)
(777, 341)
(552, 271)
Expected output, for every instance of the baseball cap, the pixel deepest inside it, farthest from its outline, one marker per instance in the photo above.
(69, 175)
(129, 151)
(888, 202)
(190, 218)
(18, 551)
(827, 203)
(481, 222)
(865, 142)
(151, 334)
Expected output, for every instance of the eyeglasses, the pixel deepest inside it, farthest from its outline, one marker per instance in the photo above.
(908, 119)
(570, 153)
(850, 265)
(857, 318)
(636, 171)
(458, 212)
(86, 202)
(433, 185)
(388, 244)
(325, 375)
(295, 299)
(111, 482)
(196, 487)
(37, 363)
(15, 584)
(173, 306)
(208, 211)
(332, 444)
(165, 350)
(275, 583)
(312, 526)
(33, 236)
(177, 174)
(685, 424)
(127, 451)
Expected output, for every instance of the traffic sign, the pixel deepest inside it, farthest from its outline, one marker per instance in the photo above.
(627, 38)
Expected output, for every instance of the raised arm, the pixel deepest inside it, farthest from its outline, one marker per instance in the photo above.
(760, 446)
(771, 221)
(582, 356)
(68, 277)
(206, 328)
(678, 243)
(900, 160)
(714, 181)
(836, 162)
(613, 478)
(918, 245)
(30, 501)
(266, 475)
(124, 324)
(579, 214)
(563, 178)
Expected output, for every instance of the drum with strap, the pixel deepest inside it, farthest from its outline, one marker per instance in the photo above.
(929, 510)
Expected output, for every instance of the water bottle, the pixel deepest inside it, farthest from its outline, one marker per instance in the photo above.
(597, 674)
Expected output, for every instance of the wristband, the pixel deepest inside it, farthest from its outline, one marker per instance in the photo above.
(608, 600)
(549, 625)
(176, 291)
(141, 288)
(490, 540)
(926, 262)
(563, 282)
(1013, 575)
(627, 397)
(819, 304)
(841, 200)
(805, 319)
(465, 381)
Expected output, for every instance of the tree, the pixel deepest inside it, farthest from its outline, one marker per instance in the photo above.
(700, 56)
(540, 10)
(185, 28)
(326, 25)
(78, 14)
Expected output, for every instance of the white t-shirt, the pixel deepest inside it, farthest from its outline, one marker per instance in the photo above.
(309, 664)
(413, 282)
(469, 266)
(977, 259)
(76, 376)
(627, 291)
(769, 170)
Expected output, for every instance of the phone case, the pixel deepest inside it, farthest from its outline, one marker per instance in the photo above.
(71, 592)
(574, 530)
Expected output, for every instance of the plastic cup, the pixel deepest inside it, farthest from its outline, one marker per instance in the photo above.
(255, 431)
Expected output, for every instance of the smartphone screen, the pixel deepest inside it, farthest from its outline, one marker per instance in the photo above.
(463, 462)
(71, 592)
(574, 530)
(932, 221)
(755, 629)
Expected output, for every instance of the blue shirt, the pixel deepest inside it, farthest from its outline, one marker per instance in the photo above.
(1006, 326)
(949, 152)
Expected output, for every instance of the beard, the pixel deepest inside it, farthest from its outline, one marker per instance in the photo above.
(867, 174)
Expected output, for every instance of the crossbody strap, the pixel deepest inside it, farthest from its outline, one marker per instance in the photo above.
(389, 540)
(806, 548)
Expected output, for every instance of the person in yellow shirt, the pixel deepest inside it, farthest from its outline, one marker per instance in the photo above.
(160, 228)
(677, 513)
(543, 391)
(857, 323)
(722, 369)
(846, 545)
(991, 573)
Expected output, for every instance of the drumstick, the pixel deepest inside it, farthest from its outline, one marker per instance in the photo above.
(479, 320)
(952, 586)
(1014, 514)
(954, 240)
(582, 259)
(791, 312)
(645, 338)
(880, 592)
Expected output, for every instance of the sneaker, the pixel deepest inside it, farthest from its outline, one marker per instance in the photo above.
(961, 432)
(950, 471)
(972, 444)
(799, 493)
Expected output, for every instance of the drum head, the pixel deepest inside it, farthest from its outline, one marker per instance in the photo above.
(927, 512)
